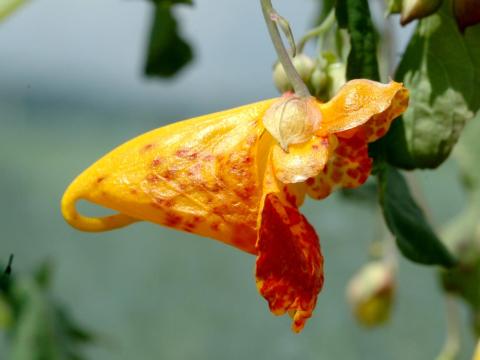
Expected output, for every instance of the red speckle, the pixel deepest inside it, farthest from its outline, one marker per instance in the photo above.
(163, 204)
(220, 210)
(310, 181)
(152, 178)
(247, 160)
(168, 174)
(292, 199)
(380, 132)
(157, 161)
(172, 220)
(247, 192)
(133, 191)
(190, 226)
(186, 153)
(215, 226)
(147, 147)
(336, 175)
(353, 173)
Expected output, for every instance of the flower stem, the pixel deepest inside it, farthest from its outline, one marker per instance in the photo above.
(299, 86)
(319, 30)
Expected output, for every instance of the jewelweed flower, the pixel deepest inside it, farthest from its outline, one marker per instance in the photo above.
(239, 176)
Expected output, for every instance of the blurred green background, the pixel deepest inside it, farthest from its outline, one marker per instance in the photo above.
(71, 89)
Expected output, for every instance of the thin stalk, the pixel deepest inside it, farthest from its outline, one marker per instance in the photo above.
(318, 31)
(299, 86)
(452, 343)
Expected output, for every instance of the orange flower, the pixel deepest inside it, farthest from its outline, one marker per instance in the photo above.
(239, 176)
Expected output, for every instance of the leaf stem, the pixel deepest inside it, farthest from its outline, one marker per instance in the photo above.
(326, 25)
(299, 86)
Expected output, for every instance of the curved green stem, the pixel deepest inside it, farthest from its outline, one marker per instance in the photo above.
(319, 30)
(299, 86)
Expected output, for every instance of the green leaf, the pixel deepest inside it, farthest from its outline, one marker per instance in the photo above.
(42, 329)
(467, 152)
(415, 238)
(34, 334)
(441, 68)
(167, 51)
(362, 59)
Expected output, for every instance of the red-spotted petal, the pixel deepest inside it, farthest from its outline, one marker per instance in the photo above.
(379, 124)
(349, 167)
(289, 263)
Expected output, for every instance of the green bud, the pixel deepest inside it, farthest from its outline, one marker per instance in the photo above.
(304, 66)
(337, 77)
(318, 81)
(417, 9)
(370, 293)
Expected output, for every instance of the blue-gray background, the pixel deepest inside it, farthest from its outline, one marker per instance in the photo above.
(71, 88)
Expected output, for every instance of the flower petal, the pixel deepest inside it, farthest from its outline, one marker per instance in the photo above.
(349, 167)
(301, 161)
(357, 102)
(378, 125)
(289, 264)
(199, 175)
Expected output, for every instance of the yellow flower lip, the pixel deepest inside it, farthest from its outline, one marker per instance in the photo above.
(292, 120)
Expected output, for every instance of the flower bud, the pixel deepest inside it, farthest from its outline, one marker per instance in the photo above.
(467, 13)
(337, 75)
(318, 81)
(370, 293)
(417, 9)
(304, 66)
(292, 120)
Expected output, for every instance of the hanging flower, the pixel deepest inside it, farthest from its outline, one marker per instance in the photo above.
(239, 176)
